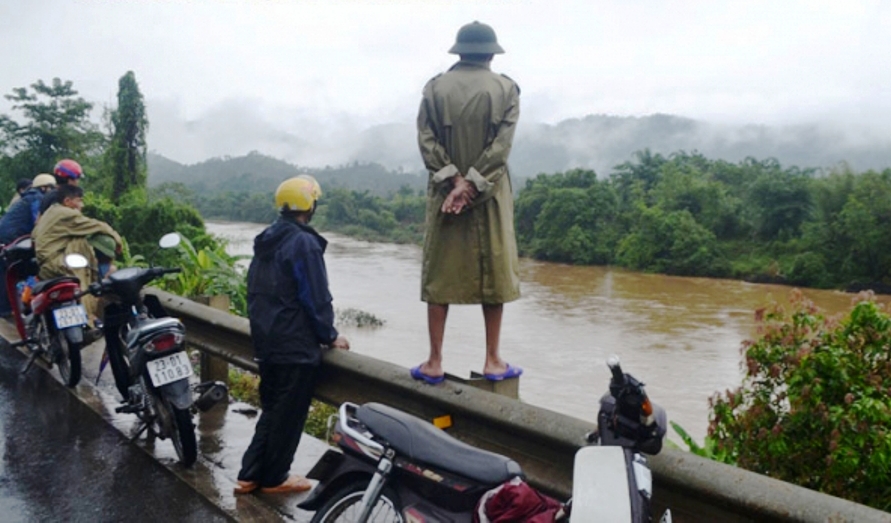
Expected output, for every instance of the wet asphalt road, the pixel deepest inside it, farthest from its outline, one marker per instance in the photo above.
(65, 455)
(62, 462)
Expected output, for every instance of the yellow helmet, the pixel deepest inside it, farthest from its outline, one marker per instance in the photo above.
(316, 188)
(297, 194)
(44, 180)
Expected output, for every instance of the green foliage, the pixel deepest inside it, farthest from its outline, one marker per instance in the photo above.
(125, 156)
(672, 243)
(54, 124)
(244, 386)
(399, 218)
(317, 420)
(209, 272)
(258, 173)
(689, 215)
(569, 217)
(710, 449)
(814, 406)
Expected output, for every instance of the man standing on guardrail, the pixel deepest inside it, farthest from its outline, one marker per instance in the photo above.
(466, 127)
(291, 317)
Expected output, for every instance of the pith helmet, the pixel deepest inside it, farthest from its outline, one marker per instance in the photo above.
(476, 38)
(104, 244)
(43, 180)
(297, 194)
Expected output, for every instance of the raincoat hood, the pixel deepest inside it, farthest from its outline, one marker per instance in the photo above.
(267, 242)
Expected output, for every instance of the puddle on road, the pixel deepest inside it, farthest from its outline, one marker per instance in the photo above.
(223, 435)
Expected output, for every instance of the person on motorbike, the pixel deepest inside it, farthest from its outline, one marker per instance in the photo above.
(20, 187)
(64, 230)
(292, 319)
(19, 220)
(66, 172)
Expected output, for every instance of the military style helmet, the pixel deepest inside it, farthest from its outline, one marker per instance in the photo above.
(476, 38)
(298, 194)
(43, 180)
(104, 244)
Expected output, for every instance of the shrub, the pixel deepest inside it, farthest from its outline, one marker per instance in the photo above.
(814, 406)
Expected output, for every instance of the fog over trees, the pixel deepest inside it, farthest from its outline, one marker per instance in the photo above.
(596, 142)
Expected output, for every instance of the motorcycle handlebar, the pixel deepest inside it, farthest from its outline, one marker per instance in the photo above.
(96, 288)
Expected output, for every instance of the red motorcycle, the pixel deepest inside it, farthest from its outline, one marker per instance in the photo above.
(51, 322)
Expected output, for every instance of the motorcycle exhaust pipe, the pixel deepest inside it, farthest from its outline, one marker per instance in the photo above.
(211, 393)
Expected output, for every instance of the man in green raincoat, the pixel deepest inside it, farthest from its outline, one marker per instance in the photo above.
(466, 126)
(63, 230)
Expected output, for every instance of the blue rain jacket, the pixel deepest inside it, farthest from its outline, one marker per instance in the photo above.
(19, 220)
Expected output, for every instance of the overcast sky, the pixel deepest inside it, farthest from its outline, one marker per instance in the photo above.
(765, 62)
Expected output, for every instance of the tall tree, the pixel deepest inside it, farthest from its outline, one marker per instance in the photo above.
(55, 124)
(126, 155)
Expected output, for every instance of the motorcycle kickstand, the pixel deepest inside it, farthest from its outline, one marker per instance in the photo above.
(139, 432)
(27, 366)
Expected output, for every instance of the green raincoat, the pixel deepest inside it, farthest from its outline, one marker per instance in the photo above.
(61, 231)
(466, 125)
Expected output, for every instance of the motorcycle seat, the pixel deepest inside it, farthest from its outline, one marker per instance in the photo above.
(43, 285)
(421, 441)
(151, 327)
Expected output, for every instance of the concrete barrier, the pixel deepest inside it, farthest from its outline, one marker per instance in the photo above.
(542, 441)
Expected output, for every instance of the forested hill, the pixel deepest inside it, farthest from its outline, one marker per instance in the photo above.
(594, 142)
(258, 173)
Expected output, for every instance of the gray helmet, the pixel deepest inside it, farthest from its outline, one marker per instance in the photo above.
(476, 38)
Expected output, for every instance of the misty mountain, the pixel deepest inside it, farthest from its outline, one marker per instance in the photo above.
(597, 142)
(256, 172)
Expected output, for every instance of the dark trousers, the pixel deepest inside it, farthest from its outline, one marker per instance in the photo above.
(5, 304)
(285, 395)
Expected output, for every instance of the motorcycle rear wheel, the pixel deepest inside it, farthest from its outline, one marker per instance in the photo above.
(120, 366)
(183, 435)
(67, 359)
(344, 506)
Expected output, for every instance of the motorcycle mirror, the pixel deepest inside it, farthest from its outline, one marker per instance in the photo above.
(169, 240)
(76, 261)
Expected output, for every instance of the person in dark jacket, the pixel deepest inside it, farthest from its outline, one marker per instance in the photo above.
(291, 320)
(20, 187)
(19, 221)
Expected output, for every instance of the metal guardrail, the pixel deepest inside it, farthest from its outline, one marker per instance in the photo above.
(542, 441)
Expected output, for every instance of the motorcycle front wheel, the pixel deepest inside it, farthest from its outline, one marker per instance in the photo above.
(67, 359)
(183, 435)
(345, 507)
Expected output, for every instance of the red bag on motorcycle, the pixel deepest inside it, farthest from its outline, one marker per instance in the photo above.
(515, 501)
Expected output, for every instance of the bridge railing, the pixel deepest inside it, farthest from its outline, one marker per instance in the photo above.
(542, 441)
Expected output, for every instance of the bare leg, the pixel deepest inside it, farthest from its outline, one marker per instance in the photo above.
(436, 322)
(492, 316)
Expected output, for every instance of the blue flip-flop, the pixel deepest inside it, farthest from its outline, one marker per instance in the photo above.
(509, 372)
(429, 380)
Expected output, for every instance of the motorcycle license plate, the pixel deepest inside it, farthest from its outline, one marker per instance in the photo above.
(169, 369)
(70, 316)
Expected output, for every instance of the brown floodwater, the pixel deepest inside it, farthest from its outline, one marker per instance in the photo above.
(680, 336)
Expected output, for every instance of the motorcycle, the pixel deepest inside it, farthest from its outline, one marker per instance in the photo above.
(393, 467)
(146, 350)
(51, 323)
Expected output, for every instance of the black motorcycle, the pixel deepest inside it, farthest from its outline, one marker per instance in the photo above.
(146, 350)
(394, 467)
